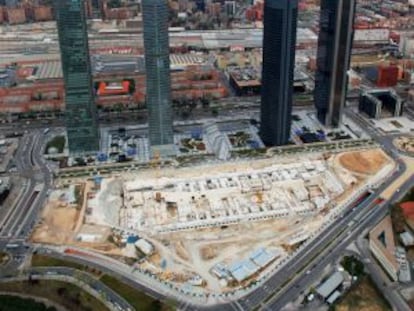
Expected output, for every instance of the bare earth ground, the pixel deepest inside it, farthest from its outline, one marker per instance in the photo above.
(59, 220)
(198, 253)
(363, 297)
(183, 254)
(58, 224)
(365, 162)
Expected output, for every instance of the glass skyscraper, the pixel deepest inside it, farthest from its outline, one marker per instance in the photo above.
(81, 116)
(279, 41)
(333, 59)
(158, 81)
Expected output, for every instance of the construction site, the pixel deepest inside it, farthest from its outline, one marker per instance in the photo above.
(215, 227)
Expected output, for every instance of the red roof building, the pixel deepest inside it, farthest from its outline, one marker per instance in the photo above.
(408, 209)
(113, 88)
(387, 76)
(16, 16)
(42, 13)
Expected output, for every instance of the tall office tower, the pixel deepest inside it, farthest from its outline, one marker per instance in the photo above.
(81, 116)
(279, 40)
(333, 58)
(158, 81)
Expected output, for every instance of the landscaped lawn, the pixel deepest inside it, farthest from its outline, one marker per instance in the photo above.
(13, 303)
(57, 142)
(140, 301)
(48, 261)
(65, 294)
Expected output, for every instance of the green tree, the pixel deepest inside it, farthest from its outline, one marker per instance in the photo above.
(397, 217)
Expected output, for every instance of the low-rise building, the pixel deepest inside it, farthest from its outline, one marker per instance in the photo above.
(382, 246)
(42, 13)
(39, 85)
(407, 238)
(407, 44)
(330, 285)
(16, 16)
(380, 103)
(144, 246)
(404, 273)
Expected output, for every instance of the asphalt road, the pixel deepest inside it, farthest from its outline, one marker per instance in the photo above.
(21, 218)
(123, 275)
(104, 291)
(227, 107)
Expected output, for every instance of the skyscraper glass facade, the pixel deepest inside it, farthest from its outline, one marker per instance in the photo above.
(157, 65)
(333, 59)
(279, 40)
(80, 115)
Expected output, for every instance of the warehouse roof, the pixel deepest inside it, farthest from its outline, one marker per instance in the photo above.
(241, 270)
(330, 284)
(49, 70)
(332, 298)
(261, 257)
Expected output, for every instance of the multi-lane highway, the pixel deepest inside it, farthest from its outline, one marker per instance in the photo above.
(19, 219)
(345, 233)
